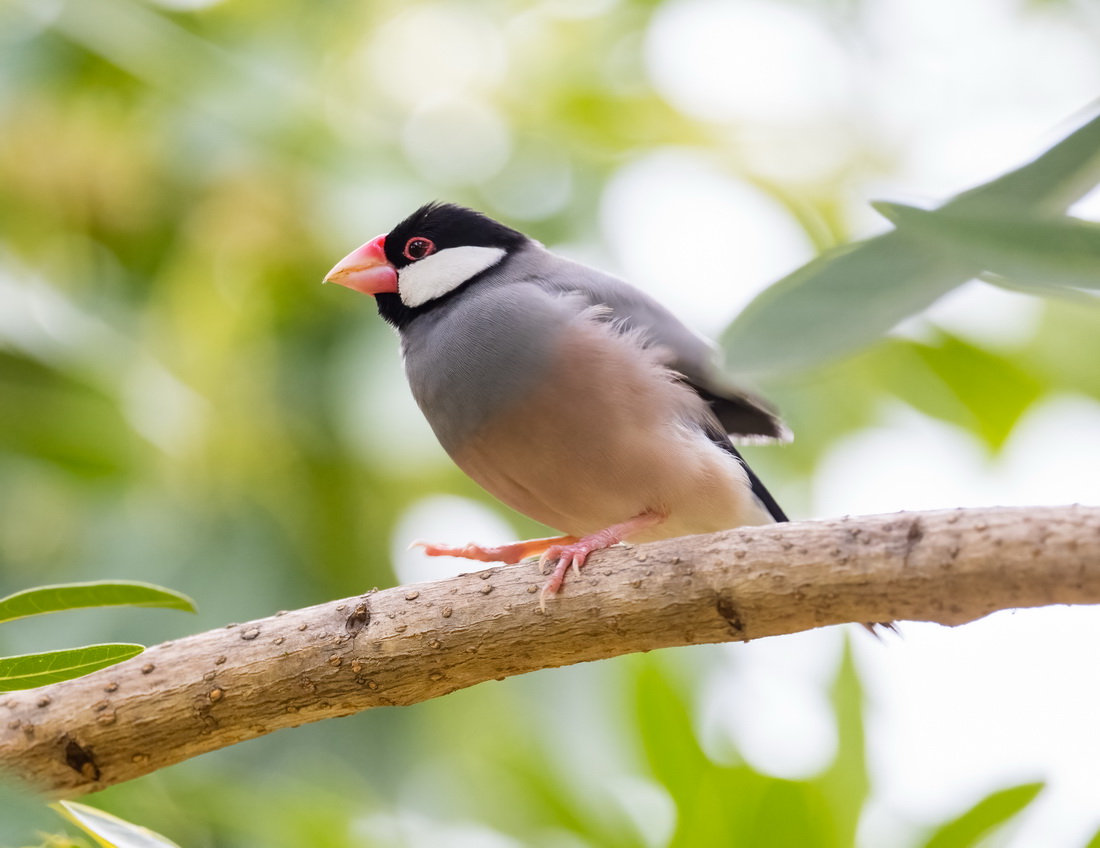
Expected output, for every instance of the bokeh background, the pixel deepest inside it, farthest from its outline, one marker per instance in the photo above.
(182, 402)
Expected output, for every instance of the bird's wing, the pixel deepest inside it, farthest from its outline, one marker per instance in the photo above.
(689, 354)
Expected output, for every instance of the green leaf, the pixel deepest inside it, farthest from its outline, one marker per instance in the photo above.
(110, 831)
(1037, 252)
(30, 670)
(1048, 185)
(1094, 842)
(839, 302)
(67, 596)
(664, 724)
(845, 784)
(1072, 295)
(989, 813)
(789, 813)
(852, 295)
(723, 804)
(960, 383)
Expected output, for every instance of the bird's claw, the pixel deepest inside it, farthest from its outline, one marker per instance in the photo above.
(566, 556)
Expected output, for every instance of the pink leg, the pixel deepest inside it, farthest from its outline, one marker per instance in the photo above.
(501, 553)
(577, 552)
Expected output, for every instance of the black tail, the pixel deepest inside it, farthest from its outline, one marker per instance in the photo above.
(762, 494)
(719, 437)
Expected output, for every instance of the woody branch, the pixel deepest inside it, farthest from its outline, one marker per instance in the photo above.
(411, 643)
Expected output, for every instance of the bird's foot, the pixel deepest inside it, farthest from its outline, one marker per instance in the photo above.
(510, 553)
(574, 554)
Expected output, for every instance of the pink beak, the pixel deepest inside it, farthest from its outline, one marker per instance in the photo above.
(366, 269)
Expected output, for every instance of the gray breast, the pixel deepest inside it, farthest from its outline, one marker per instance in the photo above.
(481, 352)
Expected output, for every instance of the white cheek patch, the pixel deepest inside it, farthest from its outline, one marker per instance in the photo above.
(435, 275)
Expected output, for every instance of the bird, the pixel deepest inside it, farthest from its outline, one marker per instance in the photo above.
(569, 395)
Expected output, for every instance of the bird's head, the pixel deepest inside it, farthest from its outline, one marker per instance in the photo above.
(429, 255)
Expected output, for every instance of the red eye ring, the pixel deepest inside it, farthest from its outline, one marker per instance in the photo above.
(418, 247)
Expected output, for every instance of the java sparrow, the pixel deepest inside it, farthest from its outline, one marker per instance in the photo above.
(566, 393)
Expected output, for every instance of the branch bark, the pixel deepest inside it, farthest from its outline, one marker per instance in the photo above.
(407, 644)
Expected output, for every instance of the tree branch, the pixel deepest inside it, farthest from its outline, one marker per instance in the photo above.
(405, 645)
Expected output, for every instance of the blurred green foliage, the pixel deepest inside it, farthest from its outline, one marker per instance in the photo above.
(181, 402)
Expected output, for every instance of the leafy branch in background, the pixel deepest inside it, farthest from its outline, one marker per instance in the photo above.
(1012, 231)
(26, 671)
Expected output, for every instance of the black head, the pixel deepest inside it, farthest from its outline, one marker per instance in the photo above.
(437, 251)
(447, 225)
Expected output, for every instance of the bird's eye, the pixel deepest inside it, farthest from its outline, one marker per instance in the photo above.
(418, 248)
